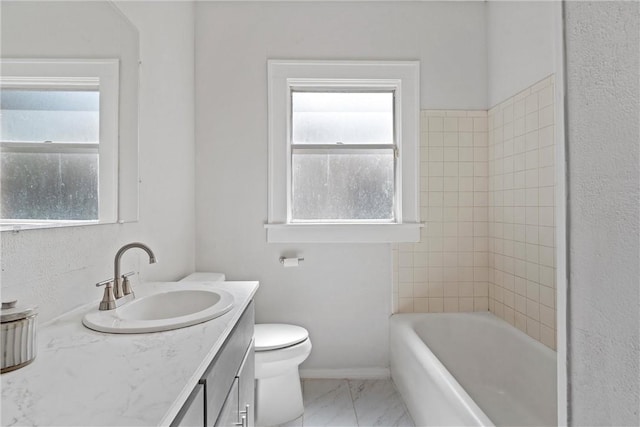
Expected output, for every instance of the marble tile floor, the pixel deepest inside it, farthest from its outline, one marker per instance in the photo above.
(351, 403)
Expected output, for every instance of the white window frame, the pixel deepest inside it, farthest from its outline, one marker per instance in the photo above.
(103, 75)
(400, 76)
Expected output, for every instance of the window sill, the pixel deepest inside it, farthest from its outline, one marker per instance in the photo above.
(343, 233)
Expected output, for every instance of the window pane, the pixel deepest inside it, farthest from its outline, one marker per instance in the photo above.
(340, 117)
(343, 187)
(50, 186)
(50, 115)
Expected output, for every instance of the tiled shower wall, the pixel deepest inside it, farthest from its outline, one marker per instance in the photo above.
(521, 211)
(448, 270)
(487, 195)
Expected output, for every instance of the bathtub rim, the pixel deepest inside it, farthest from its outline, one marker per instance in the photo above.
(405, 322)
(409, 321)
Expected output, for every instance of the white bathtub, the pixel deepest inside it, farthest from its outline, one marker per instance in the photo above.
(471, 369)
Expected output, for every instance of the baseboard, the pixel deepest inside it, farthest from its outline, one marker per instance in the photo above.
(350, 374)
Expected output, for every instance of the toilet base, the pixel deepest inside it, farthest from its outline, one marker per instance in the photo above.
(279, 398)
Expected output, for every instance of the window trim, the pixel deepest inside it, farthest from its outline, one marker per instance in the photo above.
(102, 74)
(401, 76)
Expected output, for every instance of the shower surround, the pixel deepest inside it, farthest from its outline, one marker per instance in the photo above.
(448, 270)
(488, 200)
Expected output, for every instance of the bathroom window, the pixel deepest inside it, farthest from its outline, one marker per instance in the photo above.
(342, 157)
(343, 151)
(59, 143)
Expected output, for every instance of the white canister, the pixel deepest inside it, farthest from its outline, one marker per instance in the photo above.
(18, 336)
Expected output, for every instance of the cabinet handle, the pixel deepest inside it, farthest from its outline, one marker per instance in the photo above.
(246, 410)
(245, 415)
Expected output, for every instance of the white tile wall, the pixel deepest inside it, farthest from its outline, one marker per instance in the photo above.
(521, 211)
(448, 270)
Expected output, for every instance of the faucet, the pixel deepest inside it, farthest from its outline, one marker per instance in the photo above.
(116, 266)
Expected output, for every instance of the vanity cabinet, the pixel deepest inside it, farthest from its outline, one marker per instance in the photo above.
(247, 388)
(225, 395)
(229, 413)
(238, 408)
(193, 412)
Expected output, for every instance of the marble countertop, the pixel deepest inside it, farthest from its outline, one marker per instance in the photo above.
(82, 377)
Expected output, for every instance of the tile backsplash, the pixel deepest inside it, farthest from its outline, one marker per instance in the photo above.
(487, 201)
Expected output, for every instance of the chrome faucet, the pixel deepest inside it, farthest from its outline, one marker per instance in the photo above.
(117, 280)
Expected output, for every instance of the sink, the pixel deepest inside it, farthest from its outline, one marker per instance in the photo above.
(164, 308)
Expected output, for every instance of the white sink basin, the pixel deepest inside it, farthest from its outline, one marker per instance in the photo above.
(167, 307)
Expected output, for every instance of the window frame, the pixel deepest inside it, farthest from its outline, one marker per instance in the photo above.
(401, 77)
(103, 75)
(346, 148)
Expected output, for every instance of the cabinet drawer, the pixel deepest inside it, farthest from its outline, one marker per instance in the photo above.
(220, 376)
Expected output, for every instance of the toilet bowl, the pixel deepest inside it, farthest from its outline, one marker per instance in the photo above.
(279, 349)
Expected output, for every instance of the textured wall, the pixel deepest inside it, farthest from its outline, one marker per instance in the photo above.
(57, 268)
(603, 93)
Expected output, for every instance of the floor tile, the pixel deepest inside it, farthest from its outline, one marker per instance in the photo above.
(328, 403)
(351, 403)
(378, 403)
(293, 423)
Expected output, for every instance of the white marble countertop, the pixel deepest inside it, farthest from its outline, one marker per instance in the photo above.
(82, 377)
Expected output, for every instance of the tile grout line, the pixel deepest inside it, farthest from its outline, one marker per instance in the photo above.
(353, 405)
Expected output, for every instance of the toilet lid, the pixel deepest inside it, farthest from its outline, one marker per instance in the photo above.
(271, 336)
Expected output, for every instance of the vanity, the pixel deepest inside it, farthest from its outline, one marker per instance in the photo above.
(224, 396)
(197, 375)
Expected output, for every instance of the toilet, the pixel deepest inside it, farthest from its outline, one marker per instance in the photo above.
(279, 350)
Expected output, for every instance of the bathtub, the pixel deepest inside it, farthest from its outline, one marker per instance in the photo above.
(471, 369)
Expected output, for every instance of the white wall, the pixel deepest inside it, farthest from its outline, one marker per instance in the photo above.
(341, 293)
(57, 268)
(521, 40)
(603, 50)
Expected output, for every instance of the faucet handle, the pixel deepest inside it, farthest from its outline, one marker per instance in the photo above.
(126, 285)
(108, 300)
(104, 283)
